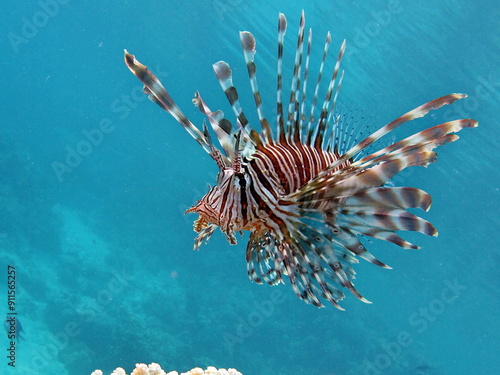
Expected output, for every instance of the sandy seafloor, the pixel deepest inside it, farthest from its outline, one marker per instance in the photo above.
(105, 272)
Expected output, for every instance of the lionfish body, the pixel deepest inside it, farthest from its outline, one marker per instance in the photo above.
(308, 194)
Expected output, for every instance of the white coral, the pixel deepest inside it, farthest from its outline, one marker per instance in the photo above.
(155, 369)
(143, 369)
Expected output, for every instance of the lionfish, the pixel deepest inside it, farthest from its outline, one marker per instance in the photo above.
(308, 195)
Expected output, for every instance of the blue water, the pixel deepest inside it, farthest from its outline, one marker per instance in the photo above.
(105, 272)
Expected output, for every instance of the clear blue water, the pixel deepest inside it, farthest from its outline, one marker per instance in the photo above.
(106, 274)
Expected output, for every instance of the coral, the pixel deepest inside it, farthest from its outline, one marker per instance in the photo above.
(155, 369)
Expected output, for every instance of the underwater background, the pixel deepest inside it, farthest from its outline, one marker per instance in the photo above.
(106, 275)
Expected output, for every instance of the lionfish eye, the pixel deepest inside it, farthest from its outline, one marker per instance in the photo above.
(241, 179)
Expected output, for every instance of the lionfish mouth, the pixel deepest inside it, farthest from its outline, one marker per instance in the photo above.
(311, 192)
(200, 223)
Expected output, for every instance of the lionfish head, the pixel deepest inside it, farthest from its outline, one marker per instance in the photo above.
(211, 207)
(204, 208)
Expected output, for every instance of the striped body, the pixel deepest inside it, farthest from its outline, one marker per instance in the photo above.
(273, 172)
(309, 194)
